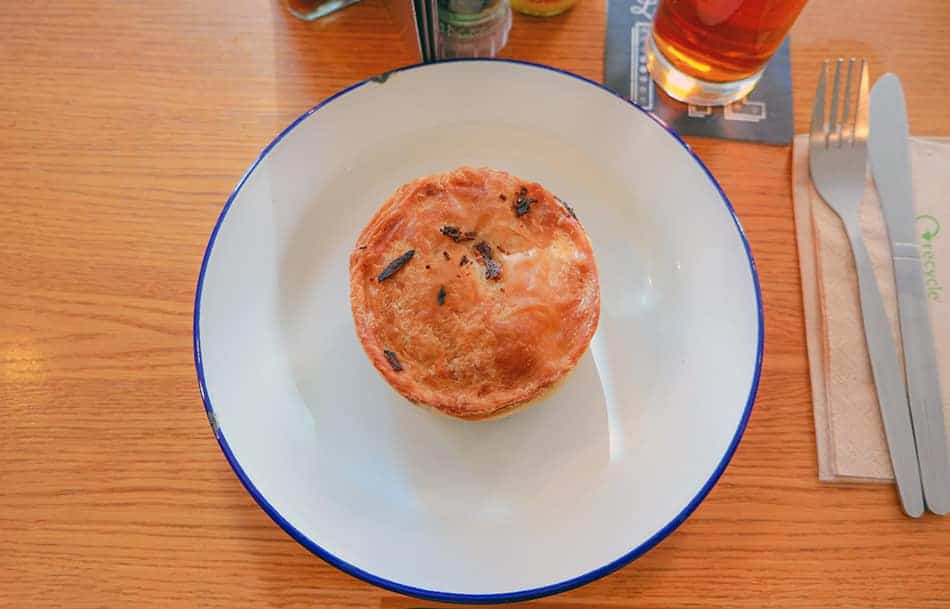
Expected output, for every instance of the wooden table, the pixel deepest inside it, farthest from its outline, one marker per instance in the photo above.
(124, 127)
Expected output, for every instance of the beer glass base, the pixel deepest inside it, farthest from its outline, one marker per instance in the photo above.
(690, 90)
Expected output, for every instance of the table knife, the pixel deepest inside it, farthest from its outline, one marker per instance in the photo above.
(890, 166)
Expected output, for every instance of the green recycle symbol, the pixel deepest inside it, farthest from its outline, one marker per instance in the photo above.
(930, 225)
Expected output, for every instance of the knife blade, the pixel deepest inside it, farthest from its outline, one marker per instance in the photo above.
(890, 165)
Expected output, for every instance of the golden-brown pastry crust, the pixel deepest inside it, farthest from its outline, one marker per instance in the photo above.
(497, 301)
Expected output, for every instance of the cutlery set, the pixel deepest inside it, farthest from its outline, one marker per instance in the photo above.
(860, 126)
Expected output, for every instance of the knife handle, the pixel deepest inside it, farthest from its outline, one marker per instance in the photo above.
(885, 366)
(923, 383)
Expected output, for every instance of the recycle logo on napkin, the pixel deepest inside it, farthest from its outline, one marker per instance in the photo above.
(929, 230)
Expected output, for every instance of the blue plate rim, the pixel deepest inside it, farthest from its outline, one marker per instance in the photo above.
(453, 597)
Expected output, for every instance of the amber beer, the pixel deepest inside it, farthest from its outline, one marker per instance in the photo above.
(712, 52)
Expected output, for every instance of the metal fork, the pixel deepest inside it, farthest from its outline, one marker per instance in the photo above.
(837, 157)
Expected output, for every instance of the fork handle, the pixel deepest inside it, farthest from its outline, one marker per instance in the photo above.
(885, 366)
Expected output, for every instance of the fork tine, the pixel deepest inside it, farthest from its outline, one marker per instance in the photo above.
(833, 112)
(861, 107)
(846, 127)
(818, 110)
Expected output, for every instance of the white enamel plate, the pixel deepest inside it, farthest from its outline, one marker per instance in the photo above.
(545, 500)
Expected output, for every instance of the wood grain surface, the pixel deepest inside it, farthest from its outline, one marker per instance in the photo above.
(124, 126)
